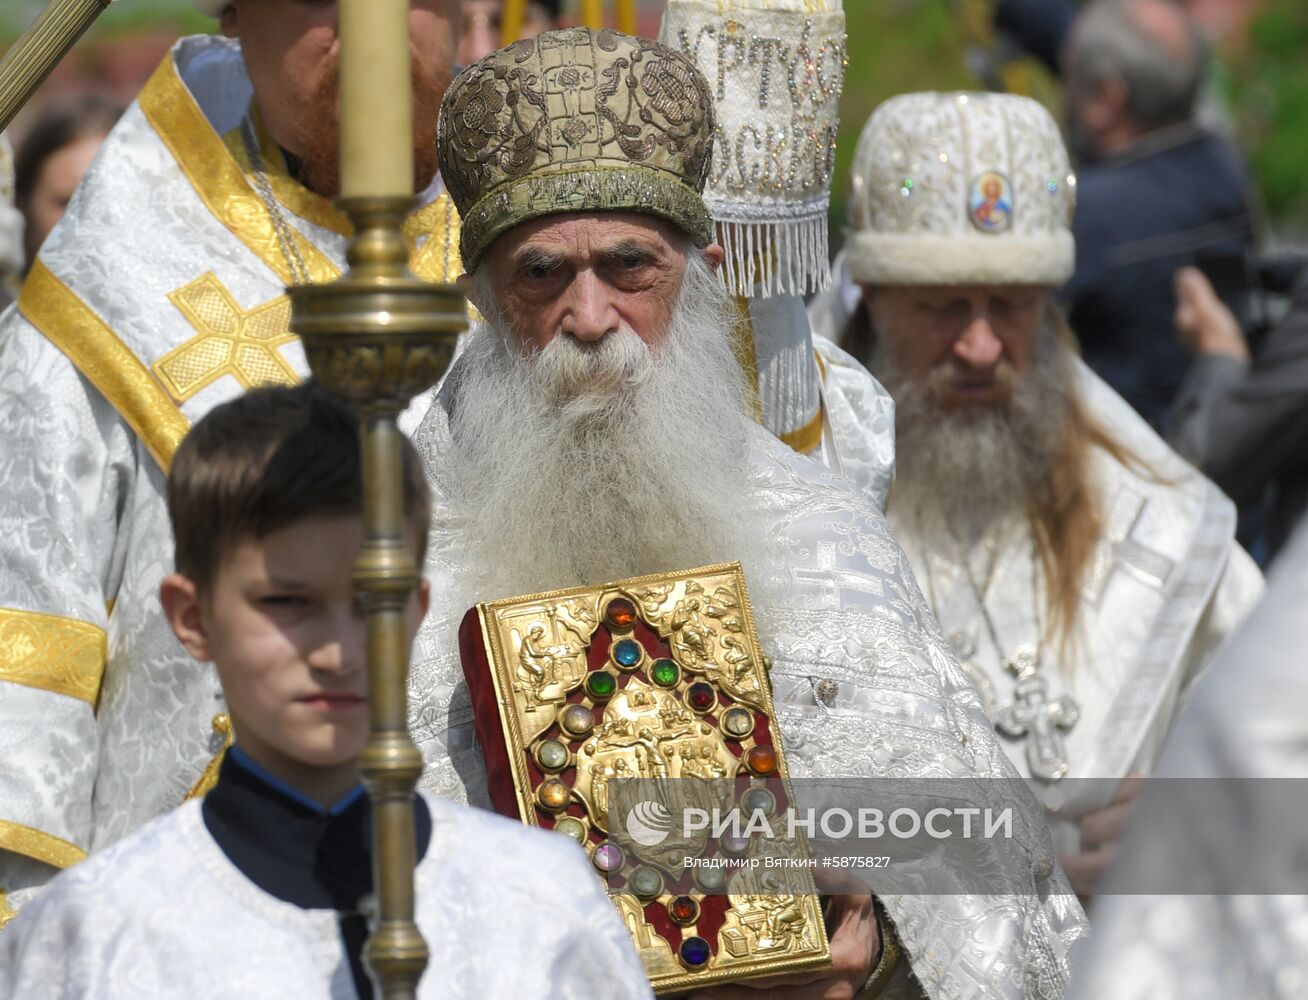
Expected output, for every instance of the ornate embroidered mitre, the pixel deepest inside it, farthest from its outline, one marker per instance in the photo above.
(776, 68)
(575, 120)
(961, 189)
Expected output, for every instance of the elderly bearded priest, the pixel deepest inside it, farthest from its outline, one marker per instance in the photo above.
(596, 427)
(159, 295)
(1081, 570)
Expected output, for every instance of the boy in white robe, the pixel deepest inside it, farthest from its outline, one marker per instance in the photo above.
(260, 888)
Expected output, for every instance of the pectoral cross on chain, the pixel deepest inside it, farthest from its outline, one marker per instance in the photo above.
(1034, 716)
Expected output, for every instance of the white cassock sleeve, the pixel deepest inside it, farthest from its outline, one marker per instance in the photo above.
(67, 468)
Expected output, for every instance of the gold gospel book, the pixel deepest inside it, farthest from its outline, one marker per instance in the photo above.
(655, 684)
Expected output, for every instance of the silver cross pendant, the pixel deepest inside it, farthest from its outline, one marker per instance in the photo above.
(1034, 716)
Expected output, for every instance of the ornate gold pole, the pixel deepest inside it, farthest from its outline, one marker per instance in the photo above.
(379, 336)
(38, 51)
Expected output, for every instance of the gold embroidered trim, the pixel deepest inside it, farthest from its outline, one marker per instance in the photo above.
(54, 309)
(6, 914)
(745, 348)
(805, 439)
(808, 437)
(216, 177)
(38, 845)
(52, 653)
(293, 195)
(439, 259)
(222, 725)
(219, 169)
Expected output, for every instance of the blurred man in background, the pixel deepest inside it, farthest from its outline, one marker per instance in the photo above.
(53, 156)
(1154, 191)
(1240, 417)
(483, 20)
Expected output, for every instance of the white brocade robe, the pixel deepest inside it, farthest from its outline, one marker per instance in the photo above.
(895, 704)
(165, 915)
(1165, 586)
(159, 295)
(1242, 741)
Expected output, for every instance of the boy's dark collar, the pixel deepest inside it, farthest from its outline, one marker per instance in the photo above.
(238, 755)
(288, 845)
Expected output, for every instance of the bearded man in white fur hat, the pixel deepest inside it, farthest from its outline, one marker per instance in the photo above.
(1081, 570)
(159, 295)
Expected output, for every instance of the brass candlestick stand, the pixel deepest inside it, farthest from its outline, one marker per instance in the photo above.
(378, 336)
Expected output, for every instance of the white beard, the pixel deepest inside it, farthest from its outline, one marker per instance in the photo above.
(959, 471)
(584, 463)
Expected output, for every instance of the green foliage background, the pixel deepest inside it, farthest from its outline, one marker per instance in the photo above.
(904, 45)
(894, 48)
(1269, 91)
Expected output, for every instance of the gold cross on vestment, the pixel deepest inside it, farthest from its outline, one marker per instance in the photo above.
(230, 341)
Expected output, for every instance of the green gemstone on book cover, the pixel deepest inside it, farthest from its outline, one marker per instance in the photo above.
(665, 673)
(600, 684)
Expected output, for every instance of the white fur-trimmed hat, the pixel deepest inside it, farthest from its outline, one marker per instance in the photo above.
(963, 188)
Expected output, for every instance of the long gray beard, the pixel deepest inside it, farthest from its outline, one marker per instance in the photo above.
(584, 463)
(962, 470)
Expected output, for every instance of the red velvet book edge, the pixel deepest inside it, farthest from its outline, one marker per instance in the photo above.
(475, 659)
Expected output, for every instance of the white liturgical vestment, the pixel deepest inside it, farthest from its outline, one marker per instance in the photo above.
(864, 686)
(1164, 587)
(1240, 749)
(159, 295)
(164, 914)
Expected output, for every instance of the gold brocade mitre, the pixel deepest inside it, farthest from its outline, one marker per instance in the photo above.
(573, 121)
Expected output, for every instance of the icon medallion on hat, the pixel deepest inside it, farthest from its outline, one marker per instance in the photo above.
(990, 203)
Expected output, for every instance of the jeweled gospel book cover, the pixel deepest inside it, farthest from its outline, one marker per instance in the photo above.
(656, 683)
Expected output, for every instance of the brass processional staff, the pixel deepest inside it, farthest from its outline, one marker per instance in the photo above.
(378, 336)
(38, 50)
